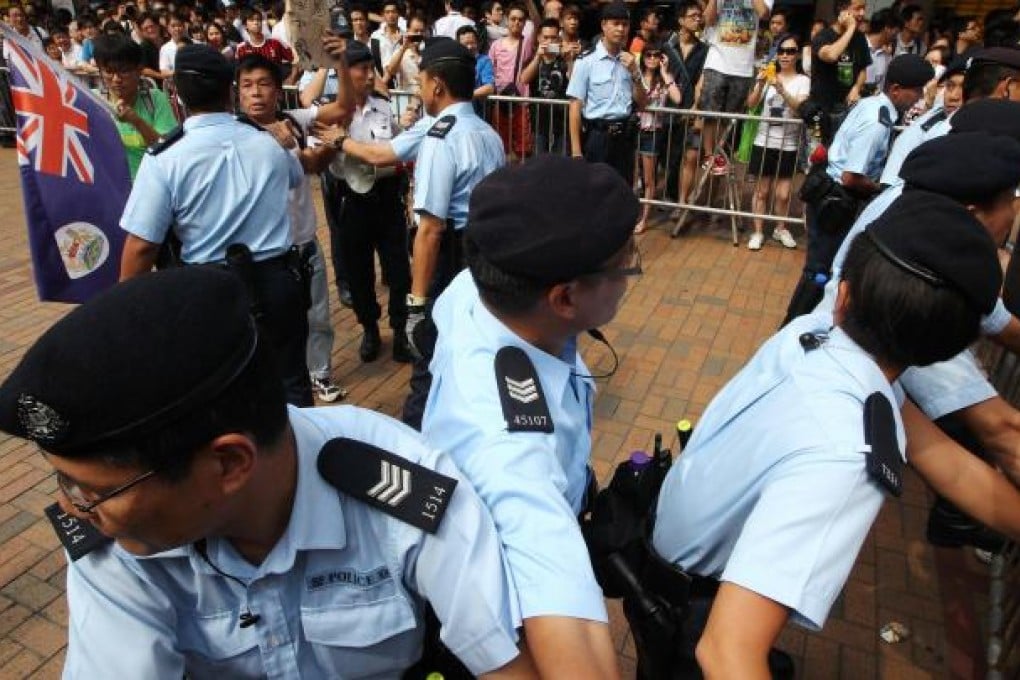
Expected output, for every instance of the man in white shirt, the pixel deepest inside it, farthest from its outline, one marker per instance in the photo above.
(385, 41)
(447, 26)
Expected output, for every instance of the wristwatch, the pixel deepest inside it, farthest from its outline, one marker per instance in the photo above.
(338, 143)
(416, 301)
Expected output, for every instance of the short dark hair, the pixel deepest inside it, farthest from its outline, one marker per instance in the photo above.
(908, 11)
(983, 77)
(647, 12)
(111, 27)
(549, 23)
(253, 404)
(386, 3)
(257, 62)
(503, 292)
(466, 29)
(571, 10)
(1002, 33)
(202, 93)
(781, 11)
(116, 48)
(884, 19)
(516, 6)
(249, 13)
(357, 8)
(459, 80)
(899, 318)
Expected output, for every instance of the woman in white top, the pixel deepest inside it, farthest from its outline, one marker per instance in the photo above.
(774, 154)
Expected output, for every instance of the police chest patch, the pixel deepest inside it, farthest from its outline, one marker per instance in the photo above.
(410, 492)
(884, 463)
(442, 127)
(347, 577)
(520, 392)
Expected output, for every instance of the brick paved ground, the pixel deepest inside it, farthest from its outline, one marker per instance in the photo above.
(685, 328)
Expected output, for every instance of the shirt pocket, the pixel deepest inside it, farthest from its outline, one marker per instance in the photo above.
(601, 86)
(215, 647)
(377, 637)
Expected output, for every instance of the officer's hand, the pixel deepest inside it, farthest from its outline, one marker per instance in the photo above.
(417, 331)
(409, 117)
(327, 134)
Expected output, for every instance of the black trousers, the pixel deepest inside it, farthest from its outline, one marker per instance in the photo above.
(332, 195)
(823, 244)
(613, 144)
(451, 262)
(283, 298)
(370, 222)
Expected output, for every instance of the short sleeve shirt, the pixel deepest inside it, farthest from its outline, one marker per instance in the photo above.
(732, 39)
(603, 84)
(153, 107)
(861, 144)
(826, 86)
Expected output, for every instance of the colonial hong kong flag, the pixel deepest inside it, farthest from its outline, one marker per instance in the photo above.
(74, 176)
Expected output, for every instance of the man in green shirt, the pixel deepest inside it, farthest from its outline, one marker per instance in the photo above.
(143, 113)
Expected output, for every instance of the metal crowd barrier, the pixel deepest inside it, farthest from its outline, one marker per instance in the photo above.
(678, 178)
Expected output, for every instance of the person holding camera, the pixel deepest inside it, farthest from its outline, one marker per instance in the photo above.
(549, 72)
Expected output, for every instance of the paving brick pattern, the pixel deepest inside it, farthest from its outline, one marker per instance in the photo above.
(686, 326)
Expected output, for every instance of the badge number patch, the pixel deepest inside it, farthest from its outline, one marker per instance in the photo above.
(520, 392)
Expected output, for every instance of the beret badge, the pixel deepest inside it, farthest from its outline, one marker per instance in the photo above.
(40, 421)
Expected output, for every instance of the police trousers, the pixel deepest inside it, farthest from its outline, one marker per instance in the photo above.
(450, 263)
(612, 142)
(367, 223)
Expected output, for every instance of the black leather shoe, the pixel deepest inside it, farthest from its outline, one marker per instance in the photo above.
(950, 527)
(401, 347)
(370, 344)
(345, 296)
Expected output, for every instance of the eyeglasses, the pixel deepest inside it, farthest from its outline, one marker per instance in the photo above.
(789, 51)
(82, 504)
(653, 55)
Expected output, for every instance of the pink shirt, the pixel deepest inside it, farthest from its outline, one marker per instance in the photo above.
(504, 60)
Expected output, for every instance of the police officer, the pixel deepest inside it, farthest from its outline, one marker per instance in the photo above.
(855, 161)
(766, 521)
(374, 220)
(550, 251)
(249, 538)
(457, 152)
(605, 89)
(220, 183)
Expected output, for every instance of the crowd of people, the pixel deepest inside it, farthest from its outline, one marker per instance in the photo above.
(473, 539)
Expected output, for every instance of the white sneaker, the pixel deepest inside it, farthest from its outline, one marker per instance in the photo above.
(785, 237)
(327, 390)
(754, 243)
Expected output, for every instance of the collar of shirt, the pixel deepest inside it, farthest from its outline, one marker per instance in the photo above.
(600, 51)
(316, 519)
(456, 109)
(207, 120)
(556, 372)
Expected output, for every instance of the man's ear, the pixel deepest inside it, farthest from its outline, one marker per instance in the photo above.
(842, 305)
(562, 300)
(233, 457)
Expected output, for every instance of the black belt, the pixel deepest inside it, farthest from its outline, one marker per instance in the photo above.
(280, 261)
(673, 584)
(612, 126)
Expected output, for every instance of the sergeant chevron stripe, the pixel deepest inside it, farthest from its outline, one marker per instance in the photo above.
(394, 484)
(523, 391)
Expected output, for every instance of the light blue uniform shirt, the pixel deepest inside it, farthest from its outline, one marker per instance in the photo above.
(340, 595)
(862, 142)
(942, 387)
(533, 482)
(406, 144)
(224, 182)
(449, 167)
(772, 493)
(602, 84)
(912, 137)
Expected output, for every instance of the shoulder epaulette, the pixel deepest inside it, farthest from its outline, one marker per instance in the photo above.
(934, 120)
(884, 118)
(407, 491)
(520, 392)
(442, 127)
(78, 538)
(166, 141)
(884, 462)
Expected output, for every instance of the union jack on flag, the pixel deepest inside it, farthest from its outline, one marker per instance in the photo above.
(74, 175)
(53, 127)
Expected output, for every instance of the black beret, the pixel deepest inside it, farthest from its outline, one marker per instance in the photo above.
(957, 66)
(1007, 56)
(552, 218)
(615, 10)
(439, 50)
(202, 60)
(938, 240)
(357, 53)
(995, 116)
(130, 361)
(909, 70)
(969, 167)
